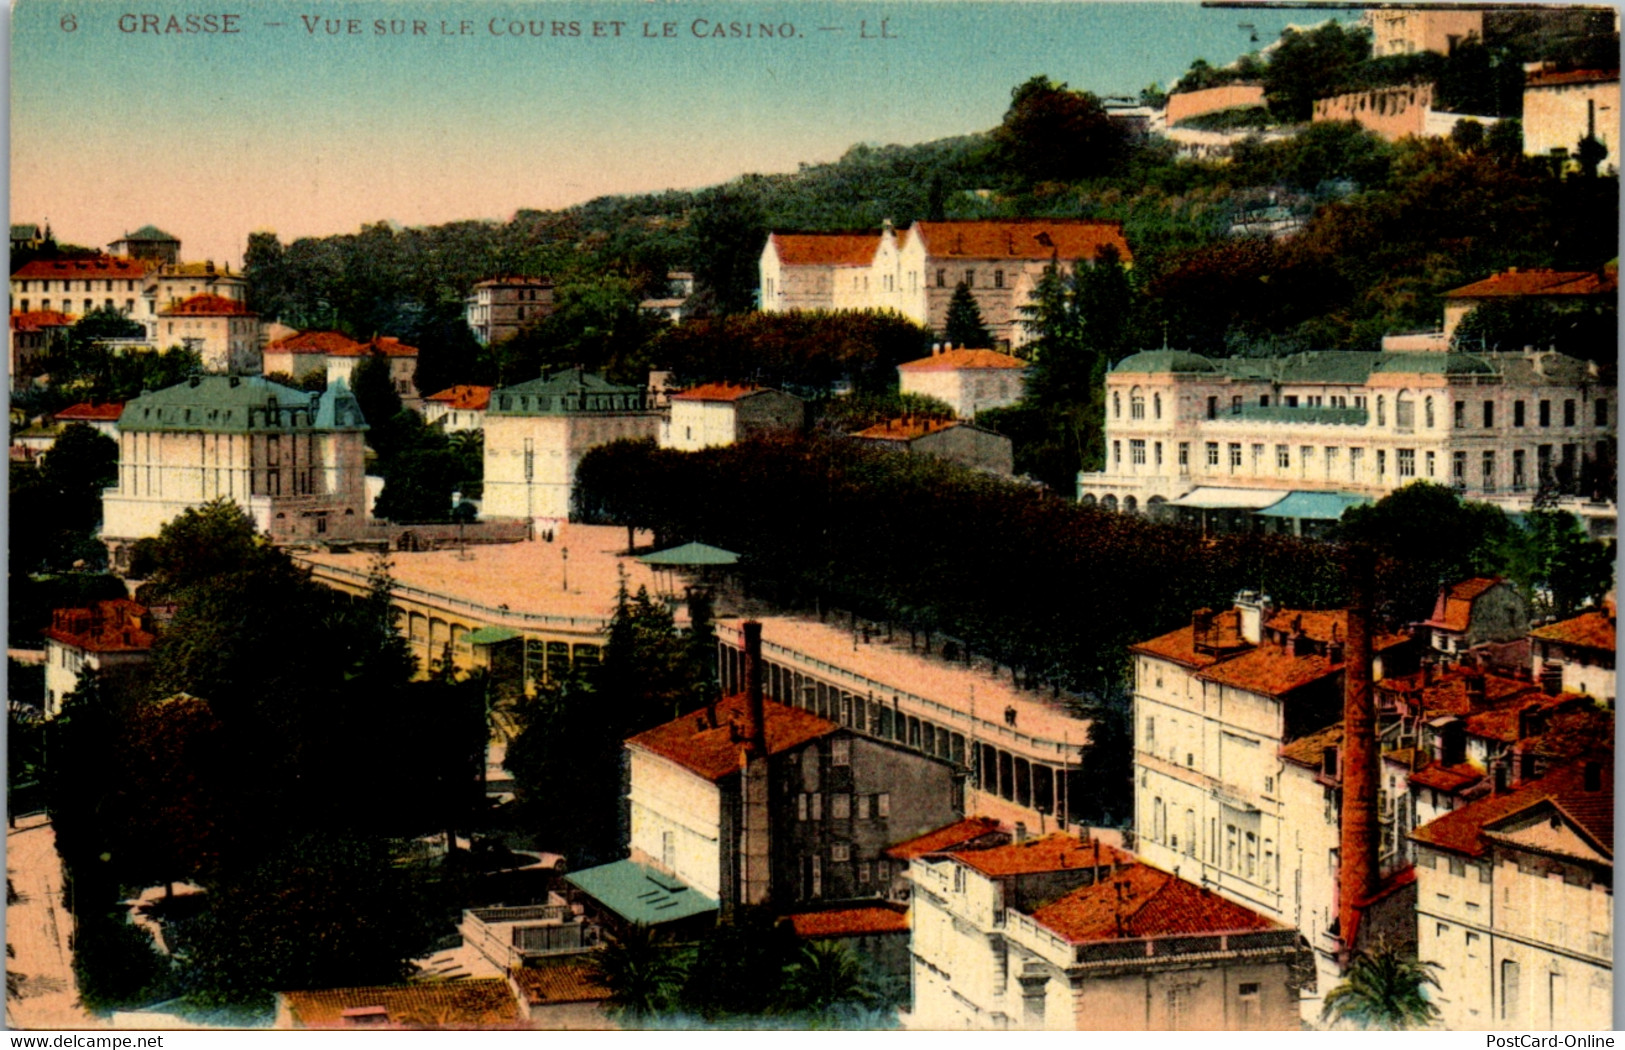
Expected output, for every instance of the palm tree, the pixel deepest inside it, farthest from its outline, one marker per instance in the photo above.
(639, 971)
(827, 975)
(1384, 989)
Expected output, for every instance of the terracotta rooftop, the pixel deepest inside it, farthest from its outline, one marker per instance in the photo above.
(34, 320)
(825, 249)
(714, 752)
(475, 1002)
(1449, 693)
(1180, 646)
(526, 282)
(1142, 902)
(906, 429)
(387, 345)
(717, 392)
(944, 838)
(1056, 851)
(94, 266)
(1269, 670)
(1516, 282)
(1325, 625)
(574, 979)
(1037, 239)
(849, 922)
(312, 343)
(85, 412)
(463, 396)
(1461, 831)
(1552, 78)
(963, 360)
(1501, 722)
(1454, 607)
(113, 626)
(1589, 630)
(206, 305)
(1447, 778)
(1308, 750)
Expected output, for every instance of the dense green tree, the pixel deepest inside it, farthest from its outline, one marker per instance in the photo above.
(1384, 989)
(739, 969)
(728, 230)
(375, 391)
(1304, 62)
(1051, 133)
(82, 462)
(1556, 566)
(964, 327)
(641, 971)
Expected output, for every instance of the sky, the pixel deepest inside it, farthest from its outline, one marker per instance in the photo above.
(314, 118)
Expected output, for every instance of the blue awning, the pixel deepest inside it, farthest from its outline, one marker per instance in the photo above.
(1314, 506)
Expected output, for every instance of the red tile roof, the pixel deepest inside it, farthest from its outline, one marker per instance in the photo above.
(112, 626)
(945, 838)
(908, 429)
(1142, 902)
(849, 922)
(1038, 239)
(1589, 630)
(825, 249)
(207, 305)
(473, 398)
(312, 343)
(1449, 779)
(1543, 78)
(1516, 282)
(1448, 693)
(1308, 751)
(717, 392)
(97, 266)
(571, 980)
(387, 345)
(34, 320)
(475, 1002)
(1325, 625)
(1501, 722)
(963, 360)
(1454, 608)
(1054, 852)
(1180, 646)
(1461, 831)
(714, 753)
(1269, 670)
(527, 282)
(85, 412)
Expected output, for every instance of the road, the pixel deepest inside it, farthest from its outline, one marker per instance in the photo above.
(37, 928)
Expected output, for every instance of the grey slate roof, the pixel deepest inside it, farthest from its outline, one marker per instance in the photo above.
(149, 232)
(566, 392)
(238, 404)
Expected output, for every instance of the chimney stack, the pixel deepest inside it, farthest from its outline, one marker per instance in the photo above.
(1359, 838)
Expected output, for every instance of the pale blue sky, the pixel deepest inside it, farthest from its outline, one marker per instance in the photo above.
(276, 127)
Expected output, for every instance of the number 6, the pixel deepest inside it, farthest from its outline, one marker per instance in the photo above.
(69, 23)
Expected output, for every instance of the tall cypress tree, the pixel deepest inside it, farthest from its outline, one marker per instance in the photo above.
(964, 326)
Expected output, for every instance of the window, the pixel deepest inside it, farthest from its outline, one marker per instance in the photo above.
(1489, 471)
(1213, 408)
(1509, 989)
(1331, 460)
(1356, 463)
(801, 806)
(1382, 462)
(1458, 867)
(1382, 411)
(1517, 413)
(1136, 404)
(1156, 405)
(1407, 462)
(882, 805)
(1136, 449)
(1602, 411)
(865, 807)
(942, 278)
(1427, 412)
(1461, 414)
(1150, 732)
(1568, 411)
(1258, 458)
(1212, 453)
(1117, 405)
(1252, 855)
(1117, 453)
(840, 806)
(1263, 401)
(863, 874)
(1520, 480)
(970, 278)
(1157, 457)
(840, 751)
(1283, 458)
(1458, 468)
(815, 876)
(817, 806)
(1489, 414)
(1545, 413)
(1230, 841)
(1305, 454)
(998, 278)
(1430, 459)
(1235, 405)
(1235, 456)
(1269, 785)
(1185, 454)
(1247, 999)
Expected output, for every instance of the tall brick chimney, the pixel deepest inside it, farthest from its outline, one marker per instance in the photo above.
(755, 858)
(1357, 877)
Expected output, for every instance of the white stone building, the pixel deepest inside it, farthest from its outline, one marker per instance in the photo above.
(1181, 428)
(969, 381)
(458, 408)
(224, 332)
(109, 634)
(1562, 107)
(293, 460)
(78, 286)
(1515, 903)
(716, 414)
(536, 434)
(1059, 933)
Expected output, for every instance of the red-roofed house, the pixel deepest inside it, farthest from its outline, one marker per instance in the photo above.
(1561, 108)
(876, 932)
(967, 380)
(79, 285)
(474, 1003)
(115, 633)
(1474, 612)
(304, 353)
(915, 272)
(970, 446)
(834, 800)
(1581, 649)
(714, 414)
(1070, 934)
(1515, 902)
(102, 418)
(30, 336)
(403, 365)
(223, 331)
(1555, 287)
(563, 994)
(460, 407)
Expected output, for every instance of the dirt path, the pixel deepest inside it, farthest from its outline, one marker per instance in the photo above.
(38, 928)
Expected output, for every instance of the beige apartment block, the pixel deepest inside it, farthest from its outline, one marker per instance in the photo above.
(967, 380)
(1561, 108)
(500, 306)
(1409, 30)
(536, 434)
(224, 332)
(78, 286)
(293, 460)
(1491, 425)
